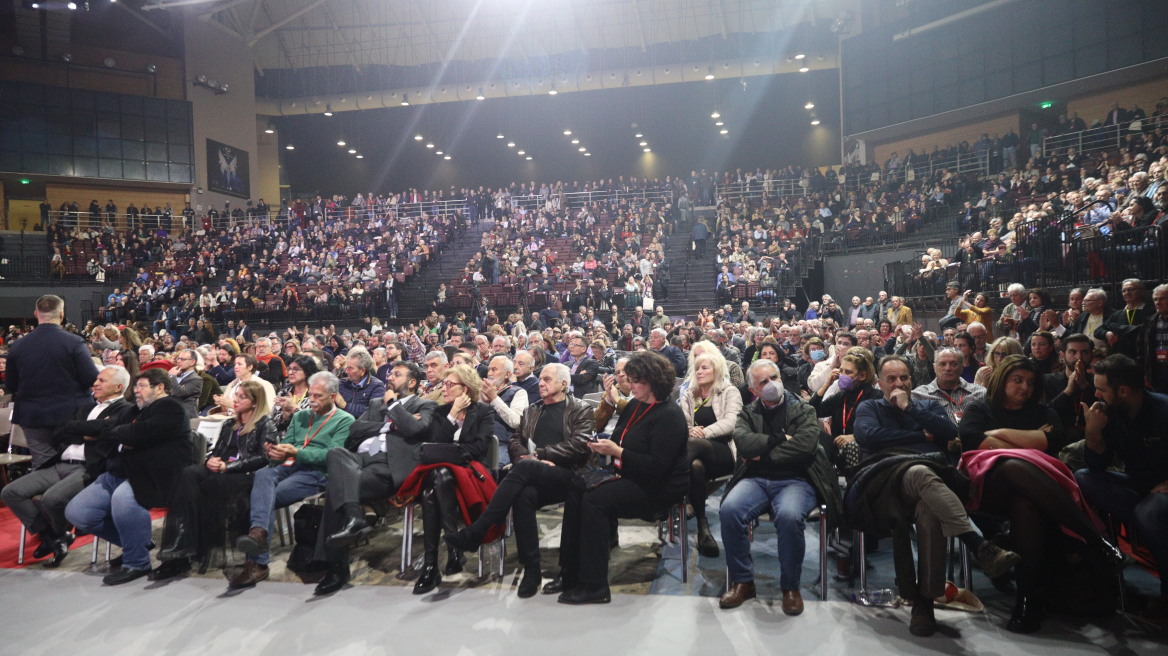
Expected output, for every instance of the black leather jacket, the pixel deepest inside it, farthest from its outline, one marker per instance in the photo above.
(572, 451)
(251, 456)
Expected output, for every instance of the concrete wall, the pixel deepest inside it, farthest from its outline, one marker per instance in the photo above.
(268, 164)
(17, 304)
(227, 118)
(860, 274)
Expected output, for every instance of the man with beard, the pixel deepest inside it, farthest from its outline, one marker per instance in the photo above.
(154, 446)
(382, 449)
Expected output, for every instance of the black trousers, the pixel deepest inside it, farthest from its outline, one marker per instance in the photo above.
(589, 520)
(201, 501)
(528, 487)
(353, 479)
(440, 510)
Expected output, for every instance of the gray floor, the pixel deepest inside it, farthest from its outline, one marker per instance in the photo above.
(46, 611)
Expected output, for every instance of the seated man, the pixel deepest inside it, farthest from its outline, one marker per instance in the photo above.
(382, 449)
(905, 487)
(360, 386)
(782, 469)
(949, 389)
(38, 499)
(558, 427)
(1131, 424)
(154, 446)
(297, 470)
(506, 398)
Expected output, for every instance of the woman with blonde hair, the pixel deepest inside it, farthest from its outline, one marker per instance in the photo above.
(217, 489)
(999, 350)
(711, 406)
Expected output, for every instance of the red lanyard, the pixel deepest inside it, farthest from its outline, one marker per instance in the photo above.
(634, 419)
(957, 403)
(308, 440)
(848, 415)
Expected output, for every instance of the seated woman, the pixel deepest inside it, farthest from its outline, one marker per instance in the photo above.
(999, 350)
(711, 406)
(1011, 440)
(651, 473)
(246, 366)
(206, 493)
(559, 426)
(463, 420)
(294, 392)
(855, 377)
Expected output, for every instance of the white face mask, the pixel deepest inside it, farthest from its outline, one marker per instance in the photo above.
(773, 392)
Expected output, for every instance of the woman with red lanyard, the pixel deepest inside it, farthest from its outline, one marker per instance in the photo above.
(855, 378)
(1010, 440)
(648, 451)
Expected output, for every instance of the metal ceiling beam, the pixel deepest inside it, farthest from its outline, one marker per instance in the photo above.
(176, 3)
(142, 19)
(218, 8)
(284, 21)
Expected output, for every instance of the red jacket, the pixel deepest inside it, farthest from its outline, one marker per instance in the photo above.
(474, 488)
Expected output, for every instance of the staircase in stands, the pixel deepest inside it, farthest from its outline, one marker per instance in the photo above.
(417, 294)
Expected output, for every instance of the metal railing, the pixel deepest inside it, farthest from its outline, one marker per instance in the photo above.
(578, 199)
(1050, 256)
(1100, 138)
(279, 216)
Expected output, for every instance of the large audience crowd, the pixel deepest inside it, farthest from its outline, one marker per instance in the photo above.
(1017, 419)
(1010, 432)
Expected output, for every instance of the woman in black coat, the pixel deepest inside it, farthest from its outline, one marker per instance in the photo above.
(206, 492)
(648, 448)
(463, 420)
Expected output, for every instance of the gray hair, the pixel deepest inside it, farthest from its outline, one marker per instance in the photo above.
(436, 355)
(759, 365)
(331, 383)
(508, 365)
(659, 332)
(1139, 284)
(362, 358)
(1160, 288)
(121, 375)
(1016, 287)
(262, 340)
(561, 372)
(1095, 291)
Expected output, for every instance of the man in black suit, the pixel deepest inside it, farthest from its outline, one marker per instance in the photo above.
(38, 499)
(49, 375)
(383, 447)
(242, 332)
(155, 446)
(584, 371)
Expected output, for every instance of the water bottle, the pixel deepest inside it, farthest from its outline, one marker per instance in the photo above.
(883, 597)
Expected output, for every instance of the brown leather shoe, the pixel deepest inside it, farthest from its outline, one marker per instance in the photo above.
(792, 602)
(254, 543)
(737, 594)
(251, 574)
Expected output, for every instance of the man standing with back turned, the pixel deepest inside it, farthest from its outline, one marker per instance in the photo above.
(49, 374)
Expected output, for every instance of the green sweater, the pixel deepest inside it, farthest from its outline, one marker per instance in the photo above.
(325, 434)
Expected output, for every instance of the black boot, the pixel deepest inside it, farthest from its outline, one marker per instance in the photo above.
(1028, 615)
(180, 545)
(532, 578)
(429, 579)
(707, 545)
(450, 515)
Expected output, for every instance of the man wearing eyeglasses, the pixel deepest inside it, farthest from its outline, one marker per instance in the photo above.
(187, 383)
(1122, 328)
(585, 371)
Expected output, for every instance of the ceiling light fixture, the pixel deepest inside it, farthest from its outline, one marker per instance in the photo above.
(648, 150)
(814, 121)
(417, 137)
(800, 56)
(804, 69)
(723, 131)
(567, 133)
(638, 135)
(439, 152)
(341, 142)
(719, 123)
(575, 141)
(528, 158)
(480, 96)
(710, 73)
(644, 143)
(328, 110)
(581, 149)
(499, 136)
(290, 147)
(405, 102)
(430, 144)
(269, 129)
(510, 144)
(809, 105)
(352, 151)
(360, 157)
(522, 152)
(716, 114)
(588, 154)
(447, 157)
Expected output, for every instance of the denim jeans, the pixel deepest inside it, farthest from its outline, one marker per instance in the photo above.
(789, 502)
(276, 487)
(108, 509)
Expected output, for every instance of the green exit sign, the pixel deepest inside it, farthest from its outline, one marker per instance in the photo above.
(1046, 104)
(25, 181)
